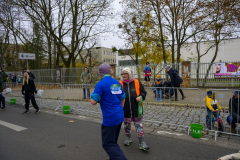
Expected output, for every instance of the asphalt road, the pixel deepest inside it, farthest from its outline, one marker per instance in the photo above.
(51, 137)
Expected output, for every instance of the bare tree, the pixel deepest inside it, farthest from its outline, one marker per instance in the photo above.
(76, 21)
(225, 17)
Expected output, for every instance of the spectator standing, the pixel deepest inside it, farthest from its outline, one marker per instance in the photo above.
(135, 93)
(86, 79)
(4, 76)
(176, 81)
(2, 89)
(234, 110)
(14, 80)
(109, 93)
(30, 74)
(158, 83)
(28, 89)
(19, 80)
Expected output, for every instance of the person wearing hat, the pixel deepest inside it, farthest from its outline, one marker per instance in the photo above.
(147, 71)
(2, 89)
(211, 105)
(28, 90)
(176, 80)
(234, 110)
(30, 74)
(135, 92)
(158, 83)
(109, 93)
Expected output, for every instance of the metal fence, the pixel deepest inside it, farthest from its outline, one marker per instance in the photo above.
(73, 75)
(219, 124)
(198, 75)
(41, 76)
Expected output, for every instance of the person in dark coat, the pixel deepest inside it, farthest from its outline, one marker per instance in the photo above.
(234, 110)
(132, 87)
(28, 89)
(2, 89)
(14, 80)
(176, 81)
(30, 74)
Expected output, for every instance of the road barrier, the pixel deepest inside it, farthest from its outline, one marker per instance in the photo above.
(223, 99)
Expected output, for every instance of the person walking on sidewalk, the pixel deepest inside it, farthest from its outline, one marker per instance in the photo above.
(28, 89)
(86, 79)
(2, 89)
(234, 110)
(134, 91)
(109, 93)
(176, 81)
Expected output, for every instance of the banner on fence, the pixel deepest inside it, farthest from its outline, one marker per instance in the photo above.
(227, 70)
(186, 70)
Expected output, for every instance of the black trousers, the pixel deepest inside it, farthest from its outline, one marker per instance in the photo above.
(109, 142)
(28, 96)
(2, 101)
(180, 90)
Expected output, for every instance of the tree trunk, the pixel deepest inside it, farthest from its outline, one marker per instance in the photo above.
(214, 57)
(49, 53)
(178, 57)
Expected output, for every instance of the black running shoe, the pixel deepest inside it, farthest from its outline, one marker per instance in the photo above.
(26, 112)
(37, 111)
(3, 108)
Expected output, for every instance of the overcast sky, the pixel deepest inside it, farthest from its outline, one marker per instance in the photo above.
(111, 39)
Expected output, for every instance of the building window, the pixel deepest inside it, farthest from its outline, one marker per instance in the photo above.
(104, 59)
(104, 52)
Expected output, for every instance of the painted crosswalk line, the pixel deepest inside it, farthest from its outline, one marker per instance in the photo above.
(12, 126)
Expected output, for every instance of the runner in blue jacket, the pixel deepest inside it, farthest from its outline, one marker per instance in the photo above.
(109, 93)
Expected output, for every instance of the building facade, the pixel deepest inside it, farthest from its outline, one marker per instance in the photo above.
(229, 51)
(100, 54)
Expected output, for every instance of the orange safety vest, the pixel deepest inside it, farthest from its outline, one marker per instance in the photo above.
(137, 86)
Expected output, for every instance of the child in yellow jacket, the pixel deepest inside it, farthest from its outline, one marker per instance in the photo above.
(211, 105)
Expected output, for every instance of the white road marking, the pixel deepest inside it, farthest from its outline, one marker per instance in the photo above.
(163, 132)
(205, 139)
(81, 116)
(12, 126)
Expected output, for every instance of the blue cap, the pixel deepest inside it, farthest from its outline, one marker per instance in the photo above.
(237, 92)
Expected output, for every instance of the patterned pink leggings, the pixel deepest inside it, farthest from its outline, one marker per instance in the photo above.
(138, 126)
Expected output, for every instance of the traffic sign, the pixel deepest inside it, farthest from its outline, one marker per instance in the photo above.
(30, 56)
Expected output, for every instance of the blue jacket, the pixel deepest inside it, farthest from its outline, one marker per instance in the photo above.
(158, 83)
(175, 78)
(109, 93)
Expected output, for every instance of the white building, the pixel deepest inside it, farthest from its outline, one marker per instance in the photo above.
(229, 51)
(102, 54)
